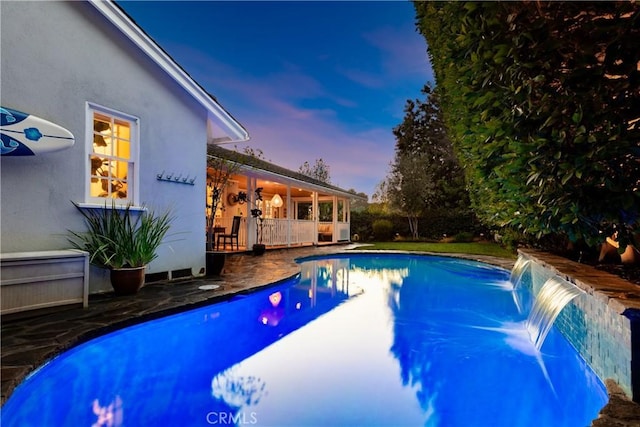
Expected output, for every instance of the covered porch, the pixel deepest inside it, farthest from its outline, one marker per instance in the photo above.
(292, 215)
(296, 210)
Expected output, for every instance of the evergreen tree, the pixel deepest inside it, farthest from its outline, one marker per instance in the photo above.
(425, 174)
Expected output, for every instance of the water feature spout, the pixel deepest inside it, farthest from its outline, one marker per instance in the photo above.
(518, 270)
(554, 295)
(515, 279)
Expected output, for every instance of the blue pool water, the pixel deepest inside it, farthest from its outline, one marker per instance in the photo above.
(358, 340)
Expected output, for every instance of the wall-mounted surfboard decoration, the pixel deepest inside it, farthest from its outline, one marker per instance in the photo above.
(23, 134)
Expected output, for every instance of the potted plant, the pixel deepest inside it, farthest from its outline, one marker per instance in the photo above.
(258, 248)
(219, 173)
(122, 241)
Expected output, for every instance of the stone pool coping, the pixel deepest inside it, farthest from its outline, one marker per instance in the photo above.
(27, 343)
(617, 293)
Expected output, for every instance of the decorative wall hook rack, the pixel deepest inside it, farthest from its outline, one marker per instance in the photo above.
(178, 179)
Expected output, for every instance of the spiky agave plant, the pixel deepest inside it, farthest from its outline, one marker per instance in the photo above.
(120, 238)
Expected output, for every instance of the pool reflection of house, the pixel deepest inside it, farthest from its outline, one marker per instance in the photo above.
(267, 316)
(323, 284)
(297, 210)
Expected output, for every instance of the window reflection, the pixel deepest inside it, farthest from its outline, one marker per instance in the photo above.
(237, 390)
(109, 415)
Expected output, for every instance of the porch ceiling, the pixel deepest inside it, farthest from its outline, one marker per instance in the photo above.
(272, 187)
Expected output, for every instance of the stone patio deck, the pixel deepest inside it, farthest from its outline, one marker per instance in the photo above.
(28, 342)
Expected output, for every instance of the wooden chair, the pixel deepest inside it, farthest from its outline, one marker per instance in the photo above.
(235, 228)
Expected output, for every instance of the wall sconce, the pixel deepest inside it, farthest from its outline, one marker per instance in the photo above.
(276, 201)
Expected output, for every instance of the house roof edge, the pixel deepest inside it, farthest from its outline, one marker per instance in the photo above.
(248, 162)
(121, 20)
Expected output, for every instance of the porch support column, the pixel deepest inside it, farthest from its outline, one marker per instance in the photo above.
(334, 219)
(251, 222)
(347, 216)
(316, 216)
(288, 216)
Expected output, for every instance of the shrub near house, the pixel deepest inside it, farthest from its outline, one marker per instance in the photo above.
(382, 230)
(432, 226)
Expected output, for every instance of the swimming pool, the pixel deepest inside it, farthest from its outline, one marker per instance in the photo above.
(355, 340)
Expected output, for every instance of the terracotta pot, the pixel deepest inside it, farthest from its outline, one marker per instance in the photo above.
(127, 281)
(609, 253)
(630, 255)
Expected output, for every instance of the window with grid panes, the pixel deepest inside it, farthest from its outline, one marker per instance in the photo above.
(111, 160)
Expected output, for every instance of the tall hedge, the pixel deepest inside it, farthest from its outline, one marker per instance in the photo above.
(542, 102)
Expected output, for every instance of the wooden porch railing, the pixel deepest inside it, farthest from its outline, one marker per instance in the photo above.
(282, 232)
(287, 231)
(344, 231)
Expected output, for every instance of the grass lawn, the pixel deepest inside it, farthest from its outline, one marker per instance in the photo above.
(476, 248)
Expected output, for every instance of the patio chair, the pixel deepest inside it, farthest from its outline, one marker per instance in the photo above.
(235, 228)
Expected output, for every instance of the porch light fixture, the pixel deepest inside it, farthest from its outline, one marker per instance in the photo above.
(276, 201)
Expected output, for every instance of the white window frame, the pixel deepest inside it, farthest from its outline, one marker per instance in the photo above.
(133, 177)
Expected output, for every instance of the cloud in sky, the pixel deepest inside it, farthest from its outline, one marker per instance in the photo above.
(308, 80)
(402, 55)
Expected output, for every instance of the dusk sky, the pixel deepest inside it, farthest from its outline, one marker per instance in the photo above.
(308, 80)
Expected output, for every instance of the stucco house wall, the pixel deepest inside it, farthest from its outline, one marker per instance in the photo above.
(56, 57)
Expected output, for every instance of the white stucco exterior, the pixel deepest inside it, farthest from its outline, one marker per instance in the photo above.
(55, 58)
